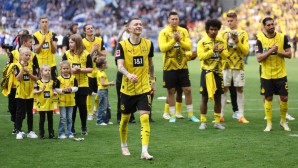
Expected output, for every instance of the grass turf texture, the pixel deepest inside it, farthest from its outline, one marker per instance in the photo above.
(178, 144)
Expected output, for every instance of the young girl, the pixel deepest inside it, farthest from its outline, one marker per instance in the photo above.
(44, 91)
(104, 109)
(81, 64)
(65, 86)
(25, 75)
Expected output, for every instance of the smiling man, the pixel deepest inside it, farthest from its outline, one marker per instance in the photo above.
(134, 61)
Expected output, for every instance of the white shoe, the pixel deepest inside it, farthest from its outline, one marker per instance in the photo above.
(32, 134)
(70, 136)
(90, 117)
(179, 116)
(203, 126)
(19, 135)
(268, 128)
(265, 118)
(166, 116)
(110, 123)
(94, 94)
(62, 136)
(102, 124)
(125, 151)
(219, 126)
(289, 117)
(285, 126)
(236, 115)
(146, 156)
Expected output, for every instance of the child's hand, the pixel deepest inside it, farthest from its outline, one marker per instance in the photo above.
(112, 83)
(43, 87)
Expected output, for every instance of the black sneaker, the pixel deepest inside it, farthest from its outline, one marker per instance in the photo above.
(84, 133)
(41, 137)
(52, 136)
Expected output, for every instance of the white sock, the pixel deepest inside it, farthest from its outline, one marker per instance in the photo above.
(145, 149)
(223, 104)
(123, 144)
(240, 102)
(189, 108)
(172, 110)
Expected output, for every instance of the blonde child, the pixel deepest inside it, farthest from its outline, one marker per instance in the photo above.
(25, 75)
(104, 109)
(66, 86)
(44, 90)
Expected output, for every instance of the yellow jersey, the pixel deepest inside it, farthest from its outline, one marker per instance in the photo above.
(25, 87)
(102, 74)
(44, 100)
(136, 61)
(66, 99)
(174, 54)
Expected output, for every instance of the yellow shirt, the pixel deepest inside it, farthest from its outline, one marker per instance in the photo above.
(236, 58)
(209, 60)
(82, 61)
(44, 100)
(102, 74)
(25, 87)
(45, 56)
(89, 45)
(174, 56)
(136, 61)
(66, 99)
(273, 67)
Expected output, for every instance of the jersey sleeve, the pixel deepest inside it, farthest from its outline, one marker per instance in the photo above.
(35, 40)
(286, 43)
(76, 83)
(119, 54)
(151, 53)
(259, 47)
(57, 84)
(65, 41)
(64, 58)
(55, 37)
(16, 70)
(89, 62)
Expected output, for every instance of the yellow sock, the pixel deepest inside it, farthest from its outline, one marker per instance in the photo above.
(145, 129)
(123, 128)
(89, 104)
(283, 110)
(166, 110)
(96, 101)
(217, 117)
(268, 111)
(203, 118)
(178, 107)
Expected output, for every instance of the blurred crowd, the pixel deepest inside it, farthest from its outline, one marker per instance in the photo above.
(109, 15)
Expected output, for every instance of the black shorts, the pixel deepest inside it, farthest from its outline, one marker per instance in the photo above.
(274, 86)
(176, 78)
(218, 81)
(92, 85)
(130, 104)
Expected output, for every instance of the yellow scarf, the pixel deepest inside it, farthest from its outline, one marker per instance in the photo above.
(211, 85)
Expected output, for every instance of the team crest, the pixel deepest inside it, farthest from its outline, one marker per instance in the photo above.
(263, 90)
(122, 107)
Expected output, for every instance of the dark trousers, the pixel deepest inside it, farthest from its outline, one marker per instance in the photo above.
(24, 106)
(118, 88)
(42, 118)
(81, 104)
(233, 94)
(12, 105)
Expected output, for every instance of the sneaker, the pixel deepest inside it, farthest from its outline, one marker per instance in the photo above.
(62, 136)
(193, 119)
(243, 120)
(56, 111)
(146, 156)
(172, 119)
(41, 137)
(166, 116)
(90, 117)
(95, 113)
(228, 101)
(125, 151)
(285, 126)
(268, 128)
(19, 135)
(94, 94)
(222, 119)
(73, 131)
(70, 136)
(236, 115)
(110, 123)
(102, 124)
(289, 117)
(265, 118)
(32, 134)
(14, 131)
(84, 133)
(219, 126)
(52, 136)
(203, 126)
(179, 116)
